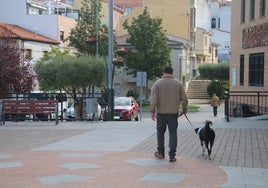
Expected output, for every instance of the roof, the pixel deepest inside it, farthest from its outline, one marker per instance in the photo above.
(18, 32)
(127, 3)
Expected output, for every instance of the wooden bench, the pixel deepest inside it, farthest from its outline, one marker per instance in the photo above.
(29, 107)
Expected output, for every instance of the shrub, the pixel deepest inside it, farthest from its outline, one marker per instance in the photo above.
(218, 71)
(216, 87)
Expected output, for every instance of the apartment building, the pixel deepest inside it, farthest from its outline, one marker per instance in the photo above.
(126, 5)
(249, 44)
(32, 46)
(249, 57)
(206, 50)
(52, 19)
(220, 26)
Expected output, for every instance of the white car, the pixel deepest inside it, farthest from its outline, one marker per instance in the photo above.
(70, 113)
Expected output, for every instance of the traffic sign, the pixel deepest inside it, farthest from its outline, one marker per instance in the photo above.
(141, 79)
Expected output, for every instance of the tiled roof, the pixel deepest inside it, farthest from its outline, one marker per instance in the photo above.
(18, 32)
(127, 3)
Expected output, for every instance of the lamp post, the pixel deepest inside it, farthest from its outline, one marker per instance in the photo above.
(110, 64)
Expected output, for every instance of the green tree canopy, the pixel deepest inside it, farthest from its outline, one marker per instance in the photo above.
(89, 30)
(152, 52)
(70, 73)
(74, 75)
(219, 71)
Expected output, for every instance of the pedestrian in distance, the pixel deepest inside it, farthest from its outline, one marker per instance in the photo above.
(215, 103)
(167, 95)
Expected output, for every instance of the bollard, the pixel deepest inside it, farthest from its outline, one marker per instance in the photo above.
(0, 112)
(226, 110)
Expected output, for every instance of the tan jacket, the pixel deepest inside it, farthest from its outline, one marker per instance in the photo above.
(166, 96)
(215, 101)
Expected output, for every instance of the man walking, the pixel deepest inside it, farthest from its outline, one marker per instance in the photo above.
(166, 96)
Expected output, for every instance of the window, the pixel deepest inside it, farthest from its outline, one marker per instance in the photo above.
(256, 69)
(242, 58)
(28, 54)
(243, 11)
(127, 10)
(62, 36)
(262, 8)
(219, 22)
(45, 52)
(213, 23)
(252, 10)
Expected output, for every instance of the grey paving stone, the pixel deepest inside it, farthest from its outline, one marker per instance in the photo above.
(64, 178)
(79, 165)
(147, 162)
(79, 155)
(10, 164)
(245, 177)
(164, 177)
(6, 156)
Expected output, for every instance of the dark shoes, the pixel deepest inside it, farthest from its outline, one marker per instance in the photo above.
(162, 156)
(172, 159)
(159, 155)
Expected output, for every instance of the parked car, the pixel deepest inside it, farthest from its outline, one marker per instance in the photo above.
(125, 108)
(70, 113)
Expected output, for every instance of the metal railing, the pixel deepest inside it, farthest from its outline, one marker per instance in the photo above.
(245, 103)
(64, 100)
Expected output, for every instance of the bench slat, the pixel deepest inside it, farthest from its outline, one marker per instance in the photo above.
(29, 106)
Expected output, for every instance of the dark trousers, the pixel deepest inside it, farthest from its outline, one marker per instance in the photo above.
(215, 110)
(164, 121)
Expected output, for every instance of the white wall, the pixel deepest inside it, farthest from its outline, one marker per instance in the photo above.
(222, 35)
(14, 12)
(202, 14)
(37, 48)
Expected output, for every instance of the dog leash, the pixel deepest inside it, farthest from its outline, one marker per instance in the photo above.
(187, 119)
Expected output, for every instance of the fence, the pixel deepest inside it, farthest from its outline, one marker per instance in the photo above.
(245, 103)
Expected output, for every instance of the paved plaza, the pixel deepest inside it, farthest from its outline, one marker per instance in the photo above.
(120, 154)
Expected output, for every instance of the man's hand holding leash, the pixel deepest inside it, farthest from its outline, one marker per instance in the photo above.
(153, 116)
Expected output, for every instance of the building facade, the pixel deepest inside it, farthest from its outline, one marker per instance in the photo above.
(45, 18)
(32, 46)
(220, 26)
(249, 43)
(249, 57)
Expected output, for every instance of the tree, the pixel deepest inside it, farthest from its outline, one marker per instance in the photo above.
(219, 71)
(89, 31)
(72, 74)
(16, 74)
(152, 51)
(219, 74)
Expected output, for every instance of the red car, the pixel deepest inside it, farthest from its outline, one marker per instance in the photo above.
(125, 108)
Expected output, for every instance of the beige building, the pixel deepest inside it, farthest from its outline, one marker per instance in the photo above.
(177, 20)
(206, 51)
(175, 16)
(117, 13)
(249, 56)
(249, 44)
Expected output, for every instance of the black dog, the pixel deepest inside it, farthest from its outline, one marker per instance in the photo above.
(206, 136)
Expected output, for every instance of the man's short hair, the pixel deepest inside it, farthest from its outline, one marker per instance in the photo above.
(168, 70)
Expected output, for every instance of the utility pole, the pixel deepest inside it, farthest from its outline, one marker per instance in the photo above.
(110, 64)
(97, 28)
